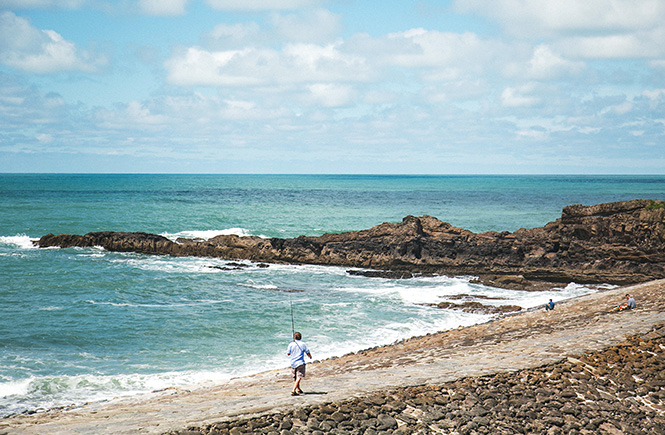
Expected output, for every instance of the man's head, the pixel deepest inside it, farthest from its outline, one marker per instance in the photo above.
(297, 336)
(627, 296)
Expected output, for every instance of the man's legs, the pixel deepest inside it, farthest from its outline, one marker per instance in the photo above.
(298, 375)
(296, 386)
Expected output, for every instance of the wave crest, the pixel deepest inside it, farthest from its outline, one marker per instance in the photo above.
(20, 240)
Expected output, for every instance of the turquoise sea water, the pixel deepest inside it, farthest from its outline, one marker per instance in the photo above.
(80, 325)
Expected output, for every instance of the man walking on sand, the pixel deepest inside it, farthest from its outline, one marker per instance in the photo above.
(296, 351)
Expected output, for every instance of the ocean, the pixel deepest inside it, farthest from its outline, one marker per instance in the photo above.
(85, 325)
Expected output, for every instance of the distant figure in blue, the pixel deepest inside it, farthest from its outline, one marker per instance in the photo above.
(297, 351)
(549, 306)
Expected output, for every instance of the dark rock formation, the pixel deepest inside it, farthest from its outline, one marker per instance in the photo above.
(477, 307)
(620, 243)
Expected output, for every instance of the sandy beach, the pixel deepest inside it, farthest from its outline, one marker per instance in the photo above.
(525, 340)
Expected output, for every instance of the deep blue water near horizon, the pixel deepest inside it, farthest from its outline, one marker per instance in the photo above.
(80, 325)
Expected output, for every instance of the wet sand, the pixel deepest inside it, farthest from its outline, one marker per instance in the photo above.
(515, 342)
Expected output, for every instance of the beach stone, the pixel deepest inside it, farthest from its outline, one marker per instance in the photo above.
(301, 414)
(338, 416)
(286, 424)
(385, 421)
(372, 412)
(368, 423)
(328, 409)
(393, 407)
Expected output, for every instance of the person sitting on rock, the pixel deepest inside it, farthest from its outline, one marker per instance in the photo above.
(629, 304)
(549, 306)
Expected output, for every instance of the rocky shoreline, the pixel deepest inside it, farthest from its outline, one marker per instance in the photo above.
(618, 243)
(620, 390)
(580, 369)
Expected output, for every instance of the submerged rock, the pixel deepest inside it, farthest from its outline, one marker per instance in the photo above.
(617, 243)
(388, 274)
(477, 307)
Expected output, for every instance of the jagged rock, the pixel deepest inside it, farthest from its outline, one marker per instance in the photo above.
(619, 243)
(389, 274)
(477, 307)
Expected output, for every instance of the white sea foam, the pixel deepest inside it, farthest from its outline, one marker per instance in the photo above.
(98, 252)
(48, 392)
(20, 240)
(432, 290)
(177, 305)
(413, 291)
(251, 284)
(207, 234)
(170, 264)
(15, 388)
(391, 332)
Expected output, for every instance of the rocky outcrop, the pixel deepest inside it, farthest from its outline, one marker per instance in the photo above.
(478, 308)
(620, 242)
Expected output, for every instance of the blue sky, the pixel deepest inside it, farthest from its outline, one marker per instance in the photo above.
(315, 86)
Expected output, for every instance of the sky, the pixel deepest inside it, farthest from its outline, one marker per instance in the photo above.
(333, 87)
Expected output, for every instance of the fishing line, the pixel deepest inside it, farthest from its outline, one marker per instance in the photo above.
(293, 327)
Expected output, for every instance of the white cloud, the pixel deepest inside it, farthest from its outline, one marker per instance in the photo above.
(533, 134)
(433, 55)
(231, 36)
(618, 109)
(44, 138)
(295, 63)
(638, 45)
(27, 48)
(590, 29)
(330, 94)
(535, 18)
(261, 5)
(35, 4)
(458, 91)
(380, 97)
(519, 97)
(654, 94)
(133, 115)
(545, 64)
(308, 26)
(218, 68)
(427, 48)
(163, 7)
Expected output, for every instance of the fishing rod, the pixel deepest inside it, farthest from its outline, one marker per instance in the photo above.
(293, 327)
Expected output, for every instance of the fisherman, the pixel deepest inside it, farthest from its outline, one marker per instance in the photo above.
(296, 351)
